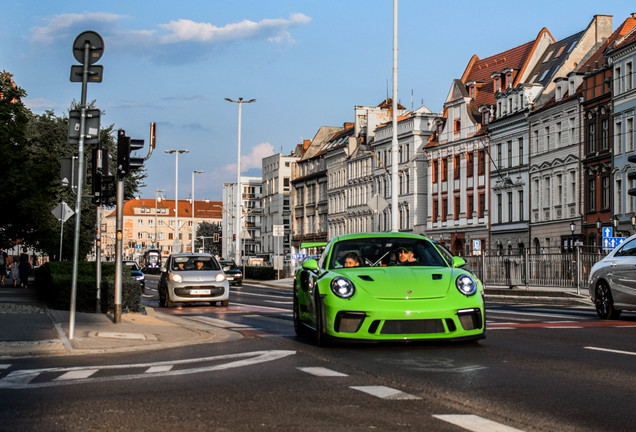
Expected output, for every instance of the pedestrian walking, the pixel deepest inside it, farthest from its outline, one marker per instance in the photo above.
(15, 270)
(3, 265)
(24, 267)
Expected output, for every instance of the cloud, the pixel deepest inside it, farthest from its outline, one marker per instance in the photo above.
(63, 26)
(252, 160)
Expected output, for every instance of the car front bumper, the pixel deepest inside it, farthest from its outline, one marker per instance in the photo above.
(188, 292)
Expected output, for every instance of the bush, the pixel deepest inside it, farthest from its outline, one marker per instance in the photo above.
(260, 273)
(53, 281)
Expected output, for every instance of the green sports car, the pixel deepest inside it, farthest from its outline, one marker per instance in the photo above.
(387, 287)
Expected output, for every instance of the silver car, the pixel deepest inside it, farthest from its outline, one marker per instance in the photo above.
(191, 277)
(613, 281)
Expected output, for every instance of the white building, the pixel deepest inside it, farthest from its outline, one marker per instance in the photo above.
(250, 214)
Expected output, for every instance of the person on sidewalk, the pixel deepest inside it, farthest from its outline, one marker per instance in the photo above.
(3, 265)
(24, 267)
(15, 271)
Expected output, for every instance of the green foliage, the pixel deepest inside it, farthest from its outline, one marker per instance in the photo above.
(208, 230)
(31, 149)
(260, 273)
(53, 282)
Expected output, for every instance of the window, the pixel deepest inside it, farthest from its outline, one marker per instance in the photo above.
(572, 122)
(618, 138)
(535, 142)
(546, 192)
(499, 155)
(628, 76)
(499, 209)
(482, 162)
(444, 169)
(618, 79)
(547, 138)
(509, 154)
(457, 207)
(456, 165)
(572, 187)
(559, 191)
(605, 192)
(482, 204)
(434, 171)
(558, 135)
(605, 134)
(444, 209)
(457, 126)
(590, 138)
(470, 164)
(521, 209)
(140, 222)
(509, 206)
(619, 197)
(435, 210)
(470, 206)
(591, 194)
(629, 135)
(520, 145)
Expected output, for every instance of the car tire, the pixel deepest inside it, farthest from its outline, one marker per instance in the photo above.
(162, 298)
(169, 303)
(319, 334)
(225, 303)
(299, 327)
(604, 302)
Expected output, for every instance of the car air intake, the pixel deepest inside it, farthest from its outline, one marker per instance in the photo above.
(349, 322)
(424, 326)
(470, 319)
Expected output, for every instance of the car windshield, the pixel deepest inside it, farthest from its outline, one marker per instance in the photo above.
(229, 264)
(194, 263)
(385, 251)
(132, 264)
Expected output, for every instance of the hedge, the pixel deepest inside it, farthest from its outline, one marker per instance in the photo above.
(53, 281)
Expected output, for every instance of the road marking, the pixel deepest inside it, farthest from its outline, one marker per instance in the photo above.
(564, 324)
(5, 366)
(475, 423)
(383, 392)
(217, 322)
(157, 369)
(610, 350)
(21, 379)
(76, 374)
(322, 372)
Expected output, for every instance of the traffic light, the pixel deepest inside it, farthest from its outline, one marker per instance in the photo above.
(632, 175)
(101, 178)
(125, 146)
(216, 237)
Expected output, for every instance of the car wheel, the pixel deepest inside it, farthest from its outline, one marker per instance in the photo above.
(604, 302)
(225, 303)
(319, 334)
(299, 328)
(169, 303)
(162, 298)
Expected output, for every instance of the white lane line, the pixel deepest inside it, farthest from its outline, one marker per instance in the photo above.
(322, 372)
(280, 302)
(5, 366)
(610, 350)
(532, 314)
(263, 308)
(383, 392)
(76, 374)
(563, 327)
(475, 423)
(259, 295)
(157, 369)
(217, 322)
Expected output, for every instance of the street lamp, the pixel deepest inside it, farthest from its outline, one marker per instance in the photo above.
(598, 228)
(177, 247)
(158, 198)
(193, 230)
(615, 222)
(572, 227)
(237, 218)
(634, 223)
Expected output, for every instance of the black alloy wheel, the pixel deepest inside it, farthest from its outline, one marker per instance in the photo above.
(604, 302)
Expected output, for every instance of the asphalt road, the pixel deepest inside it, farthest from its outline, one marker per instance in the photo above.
(541, 367)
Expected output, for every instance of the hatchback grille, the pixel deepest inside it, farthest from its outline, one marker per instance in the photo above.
(412, 326)
(185, 291)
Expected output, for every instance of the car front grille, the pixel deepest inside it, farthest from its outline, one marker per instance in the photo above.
(185, 291)
(393, 327)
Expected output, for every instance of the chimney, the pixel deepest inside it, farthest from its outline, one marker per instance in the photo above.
(306, 144)
(348, 125)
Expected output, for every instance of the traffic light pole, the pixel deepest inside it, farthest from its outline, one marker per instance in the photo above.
(119, 249)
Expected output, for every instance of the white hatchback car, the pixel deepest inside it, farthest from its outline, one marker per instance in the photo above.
(612, 281)
(191, 278)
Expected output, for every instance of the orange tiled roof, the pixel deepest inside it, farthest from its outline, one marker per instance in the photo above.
(203, 209)
(598, 59)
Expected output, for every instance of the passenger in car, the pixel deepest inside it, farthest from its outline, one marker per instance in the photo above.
(351, 260)
(405, 256)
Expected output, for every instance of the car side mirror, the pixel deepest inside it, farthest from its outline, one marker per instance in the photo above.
(310, 264)
(458, 262)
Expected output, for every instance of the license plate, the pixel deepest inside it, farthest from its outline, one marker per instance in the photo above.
(200, 292)
(230, 277)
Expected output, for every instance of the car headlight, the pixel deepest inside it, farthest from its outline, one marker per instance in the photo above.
(342, 287)
(239, 275)
(140, 278)
(175, 277)
(220, 277)
(466, 285)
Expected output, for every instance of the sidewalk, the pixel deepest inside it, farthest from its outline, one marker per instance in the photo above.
(28, 328)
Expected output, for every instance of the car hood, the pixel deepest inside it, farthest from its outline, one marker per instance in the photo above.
(199, 276)
(234, 271)
(398, 283)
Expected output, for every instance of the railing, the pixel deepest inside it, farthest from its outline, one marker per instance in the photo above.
(525, 270)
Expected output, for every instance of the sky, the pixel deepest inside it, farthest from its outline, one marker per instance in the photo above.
(307, 63)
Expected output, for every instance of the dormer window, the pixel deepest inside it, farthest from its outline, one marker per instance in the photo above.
(496, 76)
(457, 126)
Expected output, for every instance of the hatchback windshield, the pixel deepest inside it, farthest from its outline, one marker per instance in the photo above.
(382, 252)
(194, 263)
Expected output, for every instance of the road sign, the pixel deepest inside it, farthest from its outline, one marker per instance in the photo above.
(377, 203)
(279, 230)
(612, 242)
(91, 136)
(476, 247)
(95, 46)
(608, 232)
(62, 212)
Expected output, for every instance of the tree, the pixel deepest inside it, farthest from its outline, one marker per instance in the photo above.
(208, 230)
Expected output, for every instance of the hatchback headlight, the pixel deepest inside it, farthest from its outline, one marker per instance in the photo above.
(343, 287)
(140, 278)
(220, 277)
(175, 277)
(466, 285)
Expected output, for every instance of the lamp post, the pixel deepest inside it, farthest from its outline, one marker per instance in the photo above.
(158, 199)
(572, 228)
(177, 247)
(598, 228)
(237, 218)
(634, 223)
(615, 222)
(193, 230)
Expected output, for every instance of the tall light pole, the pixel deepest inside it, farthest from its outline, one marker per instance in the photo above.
(193, 230)
(158, 198)
(394, 139)
(177, 247)
(237, 217)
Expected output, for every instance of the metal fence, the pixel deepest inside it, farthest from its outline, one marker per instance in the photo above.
(526, 270)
